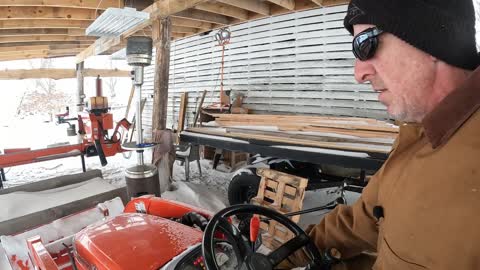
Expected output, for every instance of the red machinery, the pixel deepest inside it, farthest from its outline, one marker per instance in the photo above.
(146, 235)
(93, 126)
(152, 233)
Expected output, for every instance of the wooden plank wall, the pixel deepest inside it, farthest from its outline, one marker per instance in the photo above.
(296, 63)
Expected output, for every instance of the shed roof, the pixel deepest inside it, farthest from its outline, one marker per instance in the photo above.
(55, 28)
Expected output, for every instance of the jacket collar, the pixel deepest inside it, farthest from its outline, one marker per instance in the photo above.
(454, 110)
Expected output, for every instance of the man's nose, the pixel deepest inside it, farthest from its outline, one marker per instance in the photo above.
(363, 70)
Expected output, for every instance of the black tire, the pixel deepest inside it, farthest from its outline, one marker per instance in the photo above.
(243, 187)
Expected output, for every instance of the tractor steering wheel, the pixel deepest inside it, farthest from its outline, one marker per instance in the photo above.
(252, 259)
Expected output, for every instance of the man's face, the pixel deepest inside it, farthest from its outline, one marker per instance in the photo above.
(402, 75)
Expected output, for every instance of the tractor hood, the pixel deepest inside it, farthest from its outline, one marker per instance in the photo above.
(133, 241)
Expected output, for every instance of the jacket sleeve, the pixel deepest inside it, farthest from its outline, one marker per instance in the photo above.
(350, 229)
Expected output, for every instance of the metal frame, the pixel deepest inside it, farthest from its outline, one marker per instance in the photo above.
(266, 148)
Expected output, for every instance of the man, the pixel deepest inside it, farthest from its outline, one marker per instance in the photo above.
(421, 209)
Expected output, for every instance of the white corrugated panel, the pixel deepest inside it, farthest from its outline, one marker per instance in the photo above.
(296, 63)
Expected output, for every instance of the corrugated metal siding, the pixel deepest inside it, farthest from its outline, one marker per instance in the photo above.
(295, 63)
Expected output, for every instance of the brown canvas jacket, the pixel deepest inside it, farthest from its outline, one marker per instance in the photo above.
(428, 192)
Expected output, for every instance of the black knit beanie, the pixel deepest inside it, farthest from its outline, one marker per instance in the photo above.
(444, 29)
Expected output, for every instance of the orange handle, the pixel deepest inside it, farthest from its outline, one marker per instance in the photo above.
(254, 227)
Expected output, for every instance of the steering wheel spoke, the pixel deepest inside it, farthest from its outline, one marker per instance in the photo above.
(254, 260)
(288, 248)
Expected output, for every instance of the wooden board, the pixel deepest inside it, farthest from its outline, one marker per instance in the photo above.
(357, 147)
(183, 109)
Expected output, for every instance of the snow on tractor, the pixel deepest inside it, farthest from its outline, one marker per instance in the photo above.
(155, 233)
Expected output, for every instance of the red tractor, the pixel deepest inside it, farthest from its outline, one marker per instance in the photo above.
(153, 233)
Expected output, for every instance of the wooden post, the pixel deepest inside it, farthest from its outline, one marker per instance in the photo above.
(161, 37)
(163, 155)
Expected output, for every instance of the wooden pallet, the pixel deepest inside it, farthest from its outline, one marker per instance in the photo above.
(283, 193)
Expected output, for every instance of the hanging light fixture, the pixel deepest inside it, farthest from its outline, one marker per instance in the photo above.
(116, 21)
(223, 36)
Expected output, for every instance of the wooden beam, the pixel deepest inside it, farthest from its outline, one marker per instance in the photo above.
(38, 54)
(27, 47)
(44, 23)
(251, 5)
(46, 43)
(178, 21)
(183, 29)
(20, 74)
(162, 37)
(159, 9)
(328, 3)
(47, 13)
(179, 35)
(223, 9)
(287, 4)
(90, 72)
(87, 4)
(203, 16)
(44, 38)
(164, 8)
(42, 31)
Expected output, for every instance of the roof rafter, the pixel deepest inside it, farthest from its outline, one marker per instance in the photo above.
(87, 4)
(183, 29)
(35, 48)
(47, 13)
(251, 5)
(327, 3)
(44, 38)
(159, 9)
(178, 21)
(37, 54)
(224, 9)
(43, 23)
(203, 16)
(287, 4)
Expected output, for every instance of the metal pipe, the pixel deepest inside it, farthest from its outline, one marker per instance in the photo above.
(99, 86)
(80, 91)
(80, 94)
(138, 120)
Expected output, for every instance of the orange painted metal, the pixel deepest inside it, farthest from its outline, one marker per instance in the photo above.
(40, 255)
(133, 241)
(163, 207)
(26, 157)
(111, 147)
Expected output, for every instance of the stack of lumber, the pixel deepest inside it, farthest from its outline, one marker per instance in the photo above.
(340, 133)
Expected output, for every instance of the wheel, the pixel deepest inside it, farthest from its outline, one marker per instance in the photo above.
(242, 188)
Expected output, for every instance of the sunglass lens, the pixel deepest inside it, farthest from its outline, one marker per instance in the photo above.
(364, 45)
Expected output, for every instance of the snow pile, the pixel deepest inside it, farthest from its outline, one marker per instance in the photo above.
(20, 203)
(16, 248)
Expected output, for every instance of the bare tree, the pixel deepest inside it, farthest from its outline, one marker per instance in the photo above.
(111, 83)
(44, 97)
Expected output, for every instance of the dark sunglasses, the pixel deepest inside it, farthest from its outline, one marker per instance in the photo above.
(365, 43)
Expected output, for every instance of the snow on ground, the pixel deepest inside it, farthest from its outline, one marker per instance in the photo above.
(208, 191)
